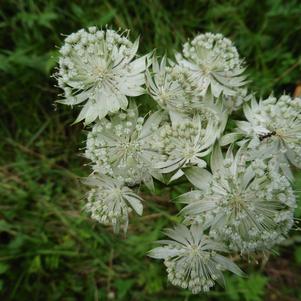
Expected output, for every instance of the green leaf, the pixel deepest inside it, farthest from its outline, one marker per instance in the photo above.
(36, 265)
(123, 287)
(298, 255)
(253, 287)
(3, 267)
(199, 177)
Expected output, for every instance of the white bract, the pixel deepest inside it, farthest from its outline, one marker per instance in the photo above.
(98, 67)
(193, 259)
(244, 206)
(214, 64)
(123, 148)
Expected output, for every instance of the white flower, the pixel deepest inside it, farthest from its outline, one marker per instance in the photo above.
(99, 67)
(272, 129)
(110, 202)
(192, 259)
(214, 63)
(123, 148)
(186, 142)
(171, 87)
(245, 207)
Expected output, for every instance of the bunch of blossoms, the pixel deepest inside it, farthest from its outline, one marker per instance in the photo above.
(241, 200)
(272, 130)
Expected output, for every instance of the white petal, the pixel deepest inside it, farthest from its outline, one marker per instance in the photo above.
(135, 203)
(151, 124)
(164, 252)
(199, 177)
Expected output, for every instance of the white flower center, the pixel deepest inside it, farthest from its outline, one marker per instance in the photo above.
(236, 203)
(100, 72)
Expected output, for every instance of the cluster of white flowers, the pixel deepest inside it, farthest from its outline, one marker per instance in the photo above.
(123, 146)
(186, 143)
(109, 201)
(245, 207)
(172, 87)
(272, 130)
(192, 258)
(242, 200)
(99, 67)
(214, 63)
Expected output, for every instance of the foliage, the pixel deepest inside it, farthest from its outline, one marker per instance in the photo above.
(49, 248)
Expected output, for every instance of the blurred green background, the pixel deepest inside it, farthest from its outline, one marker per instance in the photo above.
(50, 250)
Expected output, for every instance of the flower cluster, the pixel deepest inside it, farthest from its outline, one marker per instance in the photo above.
(186, 143)
(209, 68)
(172, 87)
(192, 258)
(123, 146)
(214, 63)
(273, 130)
(242, 200)
(245, 207)
(109, 201)
(99, 67)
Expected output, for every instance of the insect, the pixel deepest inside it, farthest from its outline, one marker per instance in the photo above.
(264, 136)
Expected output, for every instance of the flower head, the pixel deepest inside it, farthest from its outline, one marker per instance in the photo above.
(171, 87)
(99, 67)
(243, 205)
(273, 129)
(214, 63)
(192, 258)
(110, 202)
(122, 146)
(186, 142)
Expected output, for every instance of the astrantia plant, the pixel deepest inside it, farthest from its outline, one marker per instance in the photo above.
(241, 200)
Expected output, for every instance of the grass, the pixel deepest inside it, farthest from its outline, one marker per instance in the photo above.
(50, 250)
